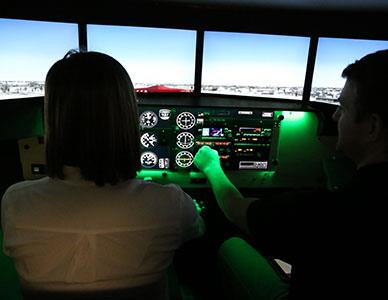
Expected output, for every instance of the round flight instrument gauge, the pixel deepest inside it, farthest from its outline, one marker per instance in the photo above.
(148, 159)
(185, 120)
(185, 140)
(148, 140)
(184, 159)
(148, 119)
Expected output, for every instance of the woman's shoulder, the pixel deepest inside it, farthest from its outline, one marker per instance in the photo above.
(26, 185)
(20, 192)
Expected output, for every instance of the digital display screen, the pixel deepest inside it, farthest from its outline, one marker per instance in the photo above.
(333, 56)
(213, 132)
(28, 50)
(259, 65)
(158, 60)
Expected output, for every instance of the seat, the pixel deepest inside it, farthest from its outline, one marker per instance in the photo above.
(9, 281)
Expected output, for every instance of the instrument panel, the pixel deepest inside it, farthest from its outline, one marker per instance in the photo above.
(246, 139)
(263, 148)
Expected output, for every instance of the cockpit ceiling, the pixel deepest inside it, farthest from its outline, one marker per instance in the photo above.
(290, 4)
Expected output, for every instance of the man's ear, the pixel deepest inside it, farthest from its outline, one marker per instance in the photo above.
(376, 127)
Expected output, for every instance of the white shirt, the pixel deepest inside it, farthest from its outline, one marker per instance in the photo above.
(72, 235)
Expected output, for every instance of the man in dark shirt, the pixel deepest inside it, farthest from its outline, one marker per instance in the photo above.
(335, 241)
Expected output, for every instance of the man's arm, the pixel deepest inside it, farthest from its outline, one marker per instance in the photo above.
(229, 199)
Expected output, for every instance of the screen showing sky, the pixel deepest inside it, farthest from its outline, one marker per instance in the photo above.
(254, 64)
(333, 55)
(28, 49)
(151, 56)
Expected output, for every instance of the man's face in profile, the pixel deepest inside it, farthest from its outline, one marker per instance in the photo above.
(351, 131)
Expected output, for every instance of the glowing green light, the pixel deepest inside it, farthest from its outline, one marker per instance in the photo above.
(293, 115)
(197, 207)
(268, 174)
(149, 174)
(296, 121)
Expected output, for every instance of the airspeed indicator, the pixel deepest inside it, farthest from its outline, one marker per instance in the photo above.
(148, 119)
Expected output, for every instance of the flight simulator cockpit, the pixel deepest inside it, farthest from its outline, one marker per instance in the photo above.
(250, 96)
(263, 99)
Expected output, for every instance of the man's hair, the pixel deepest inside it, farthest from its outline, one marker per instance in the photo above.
(91, 118)
(370, 78)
